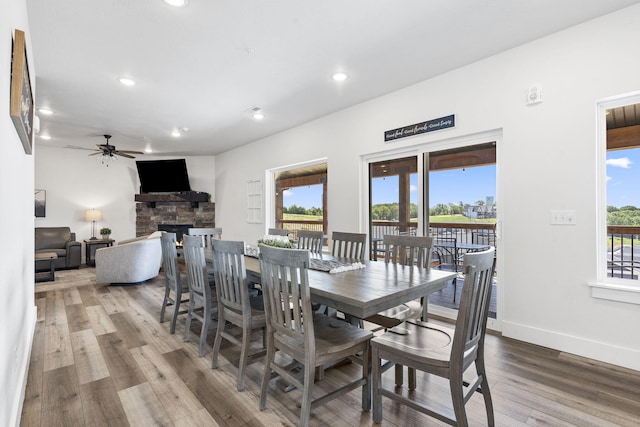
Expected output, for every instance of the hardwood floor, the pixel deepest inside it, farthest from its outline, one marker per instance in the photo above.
(101, 357)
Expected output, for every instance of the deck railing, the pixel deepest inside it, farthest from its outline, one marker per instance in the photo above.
(473, 232)
(623, 252)
(294, 225)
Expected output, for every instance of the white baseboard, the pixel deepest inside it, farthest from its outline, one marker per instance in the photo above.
(615, 355)
(16, 412)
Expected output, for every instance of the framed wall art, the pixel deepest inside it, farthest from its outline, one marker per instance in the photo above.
(41, 203)
(21, 103)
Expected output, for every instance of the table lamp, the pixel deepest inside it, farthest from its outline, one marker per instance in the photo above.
(93, 215)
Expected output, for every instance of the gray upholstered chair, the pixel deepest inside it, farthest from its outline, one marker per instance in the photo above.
(311, 338)
(235, 306)
(61, 241)
(130, 261)
(443, 351)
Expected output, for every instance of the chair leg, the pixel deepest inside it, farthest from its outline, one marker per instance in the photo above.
(457, 398)
(484, 389)
(206, 324)
(307, 393)
(218, 340)
(399, 375)
(176, 310)
(164, 303)
(411, 373)
(377, 382)
(366, 374)
(271, 352)
(244, 354)
(187, 326)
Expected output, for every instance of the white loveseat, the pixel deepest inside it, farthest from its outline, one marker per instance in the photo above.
(130, 261)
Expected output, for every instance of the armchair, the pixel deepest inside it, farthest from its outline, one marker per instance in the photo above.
(131, 261)
(61, 241)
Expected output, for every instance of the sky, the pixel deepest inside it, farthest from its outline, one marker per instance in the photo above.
(476, 183)
(446, 186)
(623, 176)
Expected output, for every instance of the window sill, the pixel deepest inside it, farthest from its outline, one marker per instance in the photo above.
(616, 292)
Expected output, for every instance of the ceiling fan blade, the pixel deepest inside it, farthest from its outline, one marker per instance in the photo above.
(96, 153)
(120, 153)
(129, 152)
(76, 147)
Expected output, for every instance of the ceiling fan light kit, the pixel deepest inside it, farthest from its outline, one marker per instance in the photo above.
(108, 152)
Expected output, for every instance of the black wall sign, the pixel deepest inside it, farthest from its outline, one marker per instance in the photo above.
(418, 128)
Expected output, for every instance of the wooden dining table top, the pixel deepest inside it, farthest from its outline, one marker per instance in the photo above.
(370, 290)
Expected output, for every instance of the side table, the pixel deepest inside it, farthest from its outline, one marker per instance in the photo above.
(92, 245)
(46, 256)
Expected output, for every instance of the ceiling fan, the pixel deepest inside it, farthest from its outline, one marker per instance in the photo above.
(108, 150)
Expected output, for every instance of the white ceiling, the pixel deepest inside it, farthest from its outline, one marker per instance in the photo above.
(203, 67)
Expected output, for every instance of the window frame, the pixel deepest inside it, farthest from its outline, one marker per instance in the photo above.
(609, 288)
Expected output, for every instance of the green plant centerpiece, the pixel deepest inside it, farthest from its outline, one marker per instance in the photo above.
(105, 232)
(278, 243)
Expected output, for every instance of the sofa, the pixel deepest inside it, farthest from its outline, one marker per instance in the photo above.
(62, 242)
(130, 261)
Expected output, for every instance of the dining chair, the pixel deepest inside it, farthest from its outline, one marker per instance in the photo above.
(311, 338)
(348, 245)
(173, 288)
(311, 240)
(443, 351)
(278, 232)
(405, 250)
(202, 301)
(207, 234)
(235, 306)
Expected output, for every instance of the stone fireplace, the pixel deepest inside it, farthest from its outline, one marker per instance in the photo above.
(173, 213)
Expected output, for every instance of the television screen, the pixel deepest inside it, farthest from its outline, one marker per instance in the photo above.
(163, 176)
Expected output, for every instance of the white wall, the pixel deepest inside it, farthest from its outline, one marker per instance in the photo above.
(547, 161)
(18, 313)
(75, 182)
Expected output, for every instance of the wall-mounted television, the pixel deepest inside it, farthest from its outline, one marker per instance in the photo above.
(163, 176)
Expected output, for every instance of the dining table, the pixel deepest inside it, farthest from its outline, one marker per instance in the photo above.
(363, 292)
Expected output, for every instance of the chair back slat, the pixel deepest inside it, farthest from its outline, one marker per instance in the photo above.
(278, 232)
(408, 250)
(311, 240)
(231, 275)
(474, 305)
(348, 245)
(287, 298)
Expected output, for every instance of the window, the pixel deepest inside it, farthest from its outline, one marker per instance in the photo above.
(619, 200)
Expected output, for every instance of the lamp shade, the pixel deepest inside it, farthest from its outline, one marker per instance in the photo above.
(93, 215)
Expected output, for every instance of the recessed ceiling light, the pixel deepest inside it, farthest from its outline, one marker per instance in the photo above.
(176, 3)
(176, 133)
(45, 111)
(126, 81)
(340, 76)
(258, 115)
(47, 137)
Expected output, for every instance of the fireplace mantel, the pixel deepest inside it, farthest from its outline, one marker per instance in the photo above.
(193, 197)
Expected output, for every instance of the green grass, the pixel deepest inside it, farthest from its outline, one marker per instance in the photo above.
(300, 217)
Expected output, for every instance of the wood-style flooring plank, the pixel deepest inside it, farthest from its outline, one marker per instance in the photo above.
(77, 318)
(128, 330)
(57, 346)
(72, 296)
(101, 404)
(123, 369)
(143, 407)
(32, 405)
(61, 403)
(100, 320)
(89, 363)
(200, 418)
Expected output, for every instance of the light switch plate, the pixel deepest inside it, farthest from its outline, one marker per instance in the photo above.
(563, 217)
